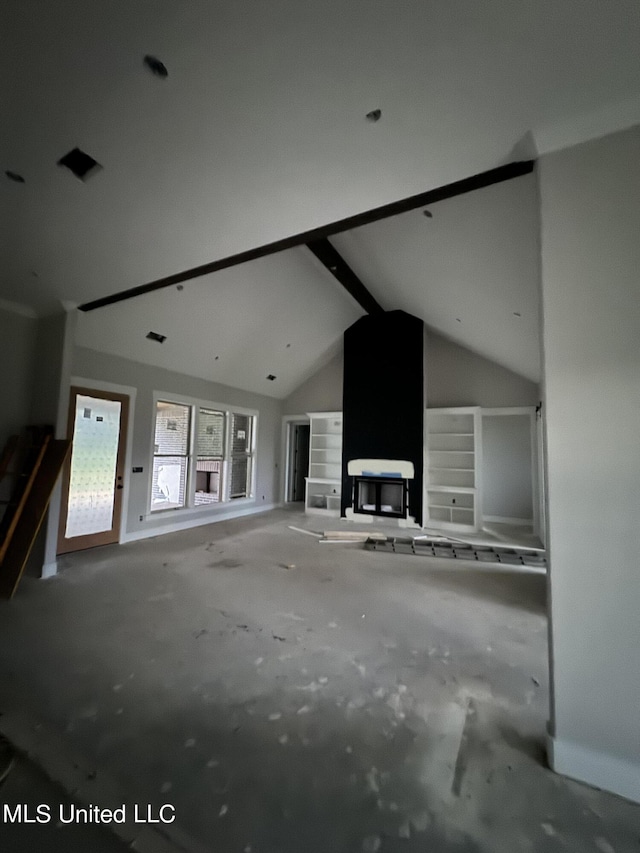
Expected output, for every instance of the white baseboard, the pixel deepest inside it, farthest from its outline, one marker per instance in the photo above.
(198, 521)
(597, 769)
(49, 570)
(503, 519)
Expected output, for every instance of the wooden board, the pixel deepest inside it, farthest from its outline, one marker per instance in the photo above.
(31, 516)
(352, 535)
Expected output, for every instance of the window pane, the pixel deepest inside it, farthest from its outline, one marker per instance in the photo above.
(169, 482)
(208, 481)
(239, 477)
(172, 428)
(240, 433)
(210, 438)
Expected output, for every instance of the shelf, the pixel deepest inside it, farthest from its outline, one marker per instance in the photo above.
(449, 506)
(323, 483)
(470, 452)
(464, 490)
(431, 468)
(452, 433)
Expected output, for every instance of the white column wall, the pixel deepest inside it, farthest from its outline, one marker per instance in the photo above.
(590, 233)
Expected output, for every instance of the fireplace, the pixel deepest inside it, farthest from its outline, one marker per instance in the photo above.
(380, 496)
(380, 486)
(383, 419)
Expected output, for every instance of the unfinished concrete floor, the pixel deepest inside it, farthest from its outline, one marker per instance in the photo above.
(356, 702)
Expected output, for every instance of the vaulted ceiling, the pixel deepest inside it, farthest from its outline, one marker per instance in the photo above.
(259, 132)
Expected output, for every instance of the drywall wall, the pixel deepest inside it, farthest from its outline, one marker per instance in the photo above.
(322, 392)
(590, 222)
(455, 377)
(89, 364)
(17, 354)
(507, 483)
(49, 405)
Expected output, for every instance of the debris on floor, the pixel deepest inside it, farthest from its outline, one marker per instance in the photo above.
(423, 547)
(307, 532)
(345, 536)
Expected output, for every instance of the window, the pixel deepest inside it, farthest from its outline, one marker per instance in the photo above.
(170, 455)
(209, 456)
(241, 455)
(202, 455)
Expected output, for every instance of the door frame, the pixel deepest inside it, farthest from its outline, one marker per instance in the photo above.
(97, 385)
(285, 451)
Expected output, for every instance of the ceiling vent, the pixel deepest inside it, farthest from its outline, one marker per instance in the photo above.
(82, 165)
(155, 336)
(271, 377)
(14, 176)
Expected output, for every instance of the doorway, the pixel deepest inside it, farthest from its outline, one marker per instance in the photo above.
(91, 506)
(298, 467)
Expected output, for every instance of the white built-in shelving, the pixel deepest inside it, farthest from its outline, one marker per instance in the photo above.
(453, 449)
(325, 463)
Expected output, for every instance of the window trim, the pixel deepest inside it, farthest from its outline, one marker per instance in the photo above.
(196, 403)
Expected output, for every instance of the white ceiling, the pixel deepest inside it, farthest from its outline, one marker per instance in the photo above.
(467, 272)
(245, 316)
(259, 132)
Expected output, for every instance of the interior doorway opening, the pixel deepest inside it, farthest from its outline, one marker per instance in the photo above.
(299, 435)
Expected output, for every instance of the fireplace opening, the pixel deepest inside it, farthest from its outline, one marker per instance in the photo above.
(380, 496)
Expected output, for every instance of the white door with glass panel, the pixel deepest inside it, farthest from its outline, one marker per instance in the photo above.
(94, 476)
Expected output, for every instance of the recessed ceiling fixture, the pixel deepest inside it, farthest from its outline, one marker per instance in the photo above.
(156, 67)
(154, 336)
(428, 214)
(517, 314)
(374, 115)
(179, 286)
(216, 358)
(271, 377)
(81, 164)
(14, 176)
(458, 319)
(288, 346)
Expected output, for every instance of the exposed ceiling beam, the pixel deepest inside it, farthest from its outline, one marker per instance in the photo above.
(475, 182)
(340, 269)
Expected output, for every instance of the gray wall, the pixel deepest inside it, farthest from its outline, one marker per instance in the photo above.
(17, 356)
(322, 392)
(89, 364)
(507, 483)
(455, 377)
(34, 355)
(590, 221)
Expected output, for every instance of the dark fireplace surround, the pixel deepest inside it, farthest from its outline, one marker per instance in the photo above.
(383, 417)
